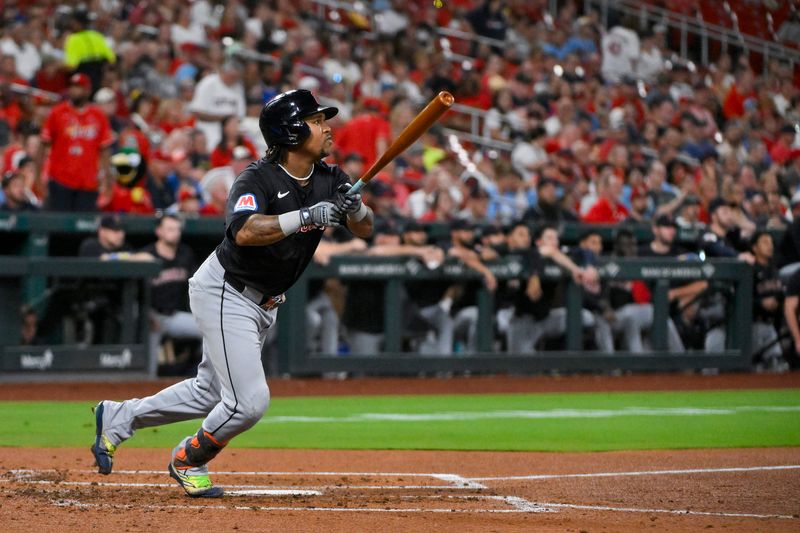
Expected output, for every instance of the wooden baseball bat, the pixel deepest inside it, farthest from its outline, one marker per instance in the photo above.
(421, 123)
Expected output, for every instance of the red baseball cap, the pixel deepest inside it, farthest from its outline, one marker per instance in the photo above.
(186, 193)
(81, 79)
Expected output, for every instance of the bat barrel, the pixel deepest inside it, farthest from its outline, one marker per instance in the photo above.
(421, 123)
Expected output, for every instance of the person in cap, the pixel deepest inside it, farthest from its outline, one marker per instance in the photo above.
(15, 197)
(169, 301)
(476, 208)
(462, 247)
(86, 51)
(161, 182)
(689, 213)
(216, 97)
(277, 210)
(79, 137)
(768, 295)
(723, 238)
(110, 239)
(548, 208)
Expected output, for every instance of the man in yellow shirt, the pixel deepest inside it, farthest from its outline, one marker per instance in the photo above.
(86, 50)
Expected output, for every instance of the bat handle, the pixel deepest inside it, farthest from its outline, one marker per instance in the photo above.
(356, 187)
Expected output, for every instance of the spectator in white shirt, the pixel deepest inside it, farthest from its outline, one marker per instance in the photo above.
(185, 31)
(340, 67)
(528, 157)
(25, 54)
(217, 96)
(620, 50)
(651, 61)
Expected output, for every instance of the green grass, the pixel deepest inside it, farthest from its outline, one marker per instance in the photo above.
(544, 422)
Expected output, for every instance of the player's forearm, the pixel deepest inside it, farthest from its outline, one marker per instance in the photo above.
(472, 260)
(363, 227)
(38, 160)
(689, 290)
(260, 230)
(562, 260)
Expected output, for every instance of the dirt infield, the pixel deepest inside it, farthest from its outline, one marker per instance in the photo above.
(745, 490)
(308, 490)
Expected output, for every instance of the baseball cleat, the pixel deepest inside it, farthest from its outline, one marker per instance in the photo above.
(102, 449)
(193, 479)
(196, 485)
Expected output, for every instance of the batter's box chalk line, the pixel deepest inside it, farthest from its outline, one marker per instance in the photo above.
(453, 482)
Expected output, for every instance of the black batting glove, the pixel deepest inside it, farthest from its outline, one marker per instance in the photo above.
(347, 203)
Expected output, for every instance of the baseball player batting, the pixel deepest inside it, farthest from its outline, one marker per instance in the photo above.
(276, 212)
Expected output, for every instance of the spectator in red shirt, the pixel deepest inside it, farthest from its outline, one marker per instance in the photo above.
(232, 138)
(79, 136)
(368, 134)
(740, 96)
(782, 149)
(607, 209)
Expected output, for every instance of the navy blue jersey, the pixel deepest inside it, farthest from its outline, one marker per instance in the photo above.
(265, 188)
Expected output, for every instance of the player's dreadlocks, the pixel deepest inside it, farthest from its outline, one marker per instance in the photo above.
(276, 153)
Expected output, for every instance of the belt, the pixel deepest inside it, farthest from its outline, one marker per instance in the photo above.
(266, 302)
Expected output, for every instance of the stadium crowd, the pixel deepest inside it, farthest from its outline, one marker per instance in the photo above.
(142, 107)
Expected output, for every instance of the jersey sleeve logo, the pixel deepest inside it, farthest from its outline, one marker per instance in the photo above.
(246, 202)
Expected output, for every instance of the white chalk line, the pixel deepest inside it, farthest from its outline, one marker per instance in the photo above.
(76, 503)
(451, 416)
(255, 487)
(641, 473)
(460, 482)
(521, 506)
(246, 473)
(272, 492)
(663, 511)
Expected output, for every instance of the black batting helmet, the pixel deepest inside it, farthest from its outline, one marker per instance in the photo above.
(281, 121)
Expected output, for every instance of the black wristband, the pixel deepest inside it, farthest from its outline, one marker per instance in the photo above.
(305, 217)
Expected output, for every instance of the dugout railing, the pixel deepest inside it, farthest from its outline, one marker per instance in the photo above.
(33, 249)
(295, 359)
(128, 284)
